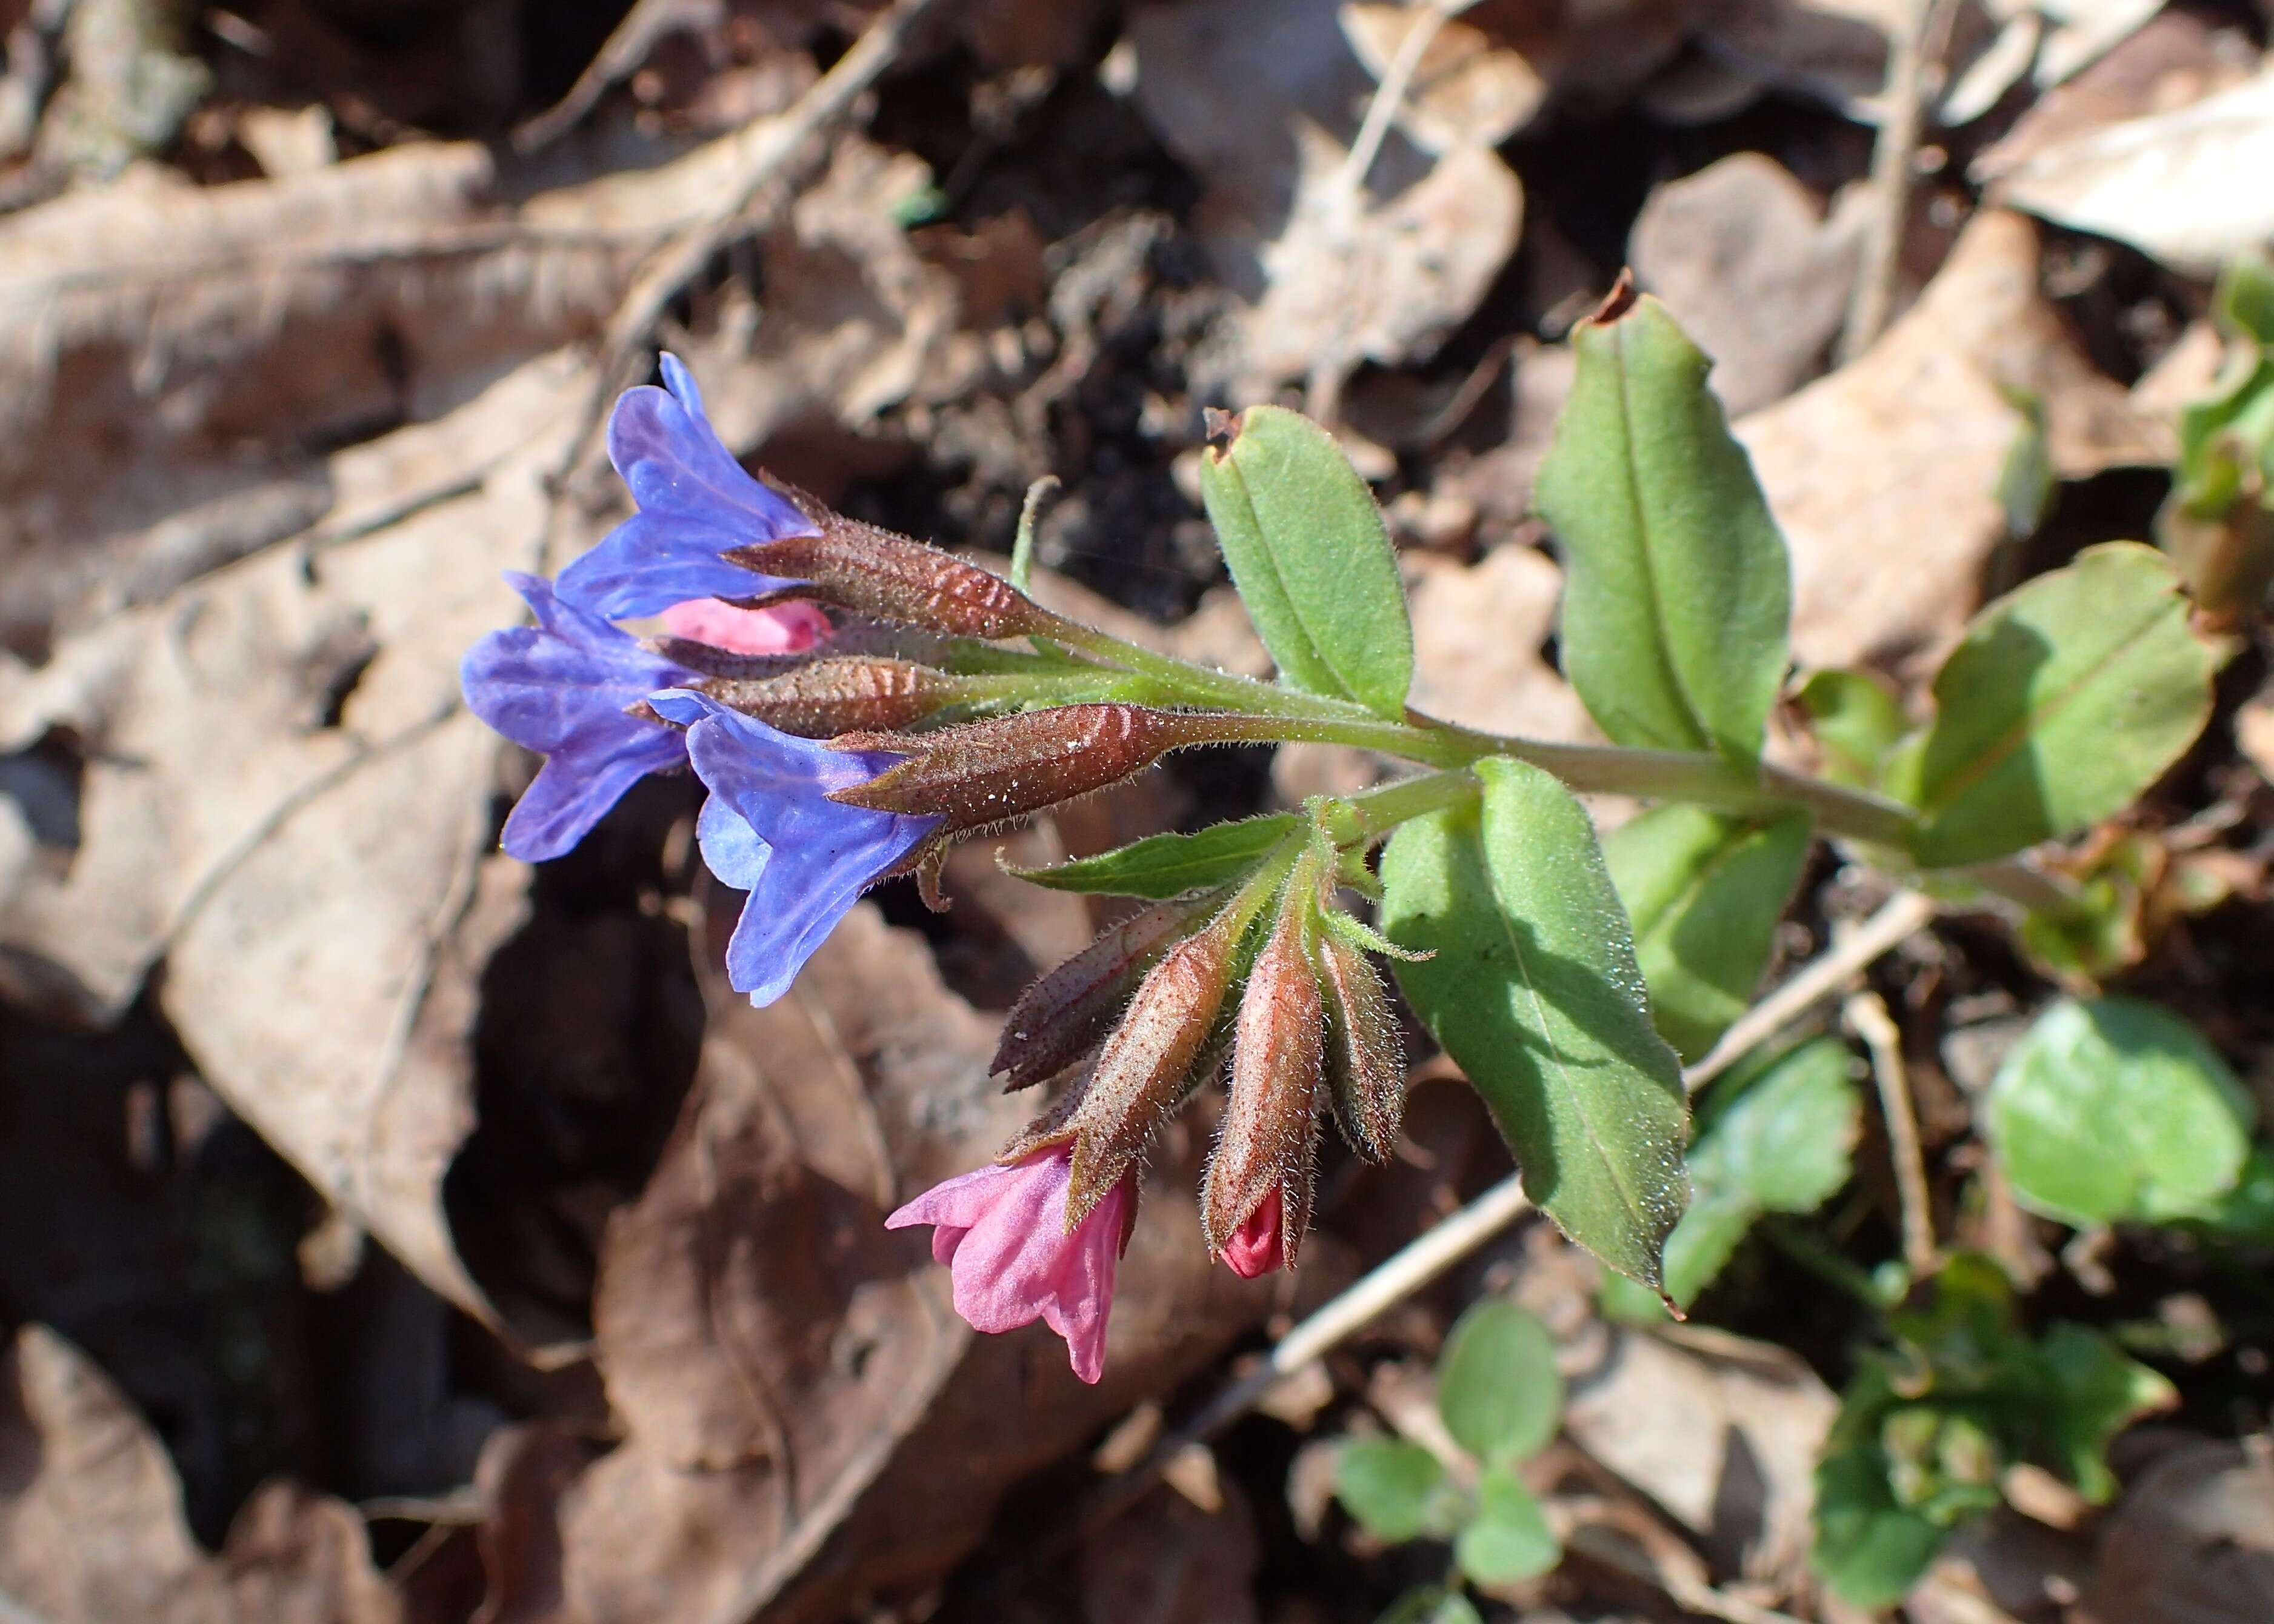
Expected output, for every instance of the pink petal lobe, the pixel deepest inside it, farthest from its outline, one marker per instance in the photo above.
(1259, 1245)
(787, 629)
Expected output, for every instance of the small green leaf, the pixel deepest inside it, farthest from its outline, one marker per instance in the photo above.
(1704, 1241)
(1704, 891)
(1311, 559)
(1396, 1490)
(1855, 718)
(1431, 1603)
(1508, 1539)
(2095, 1393)
(2066, 700)
(2113, 1110)
(1869, 1549)
(1786, 1139)
(1165, 866)
(1678, 588)
(1498, 1390)
(1534, 992)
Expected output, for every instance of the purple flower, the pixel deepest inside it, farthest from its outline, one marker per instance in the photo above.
(559, 687)
(769, 829)
(695, 501)
(1002, 1232)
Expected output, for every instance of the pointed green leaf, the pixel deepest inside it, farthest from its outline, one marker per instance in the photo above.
(1508, 1539)
(1498, 1390)
(1704, 891)
(1396, 1490)
(1678, 588)
(2066, 700)
(1165, 866)
(2111, 1110)
(1311, 559)
(1534, 992)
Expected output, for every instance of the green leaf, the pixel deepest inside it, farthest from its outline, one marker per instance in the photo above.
(2246, 1212)
(1677, 586)
(1786, 1139)
(1396, 1490)
(1704, 1241)
(2113, 1110)
(1534, 992)
(1704, 891)
(1163, 866)
(1856, 718)
(2095, 1393)
(1311, 559)
(1869, 1549)
(2066, 699)
(1508, 1539)
(1498, 1390)
(1431, 1603)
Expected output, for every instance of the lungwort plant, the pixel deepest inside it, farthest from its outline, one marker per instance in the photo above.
(855, 702)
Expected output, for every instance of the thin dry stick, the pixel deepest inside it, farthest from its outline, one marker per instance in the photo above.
(1892, 160)
(1868, 1015)
(1437, 1249)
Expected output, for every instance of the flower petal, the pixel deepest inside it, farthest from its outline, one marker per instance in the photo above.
(790, 628)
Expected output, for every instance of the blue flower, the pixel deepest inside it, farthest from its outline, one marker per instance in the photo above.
(769, 829)
(695, 501)
(559, 687)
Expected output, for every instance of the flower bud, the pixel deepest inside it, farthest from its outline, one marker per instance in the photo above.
(1141, 1072)
(873, 571)
(822, 698)
(985, 772)
(1263, 1152)
(1366, 1055)
(1067, 1012)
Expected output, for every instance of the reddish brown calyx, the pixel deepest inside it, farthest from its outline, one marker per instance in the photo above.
(977, 774)
(838, 694)
(1255, 1197)
(1365, 1052)
(873, 571)
(1067, 1013)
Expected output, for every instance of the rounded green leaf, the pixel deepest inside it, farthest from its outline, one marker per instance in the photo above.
(1677, 587)
(1508, 1539)
(1869, 1548)
(1786, 1138)
(2066, 699)
(1856, 718)
(1311, 559)
(1396, 1490)
(1498, 1390)
(1533, 990)
(1704, 891)
(2113, 1110)
(1431, 1603)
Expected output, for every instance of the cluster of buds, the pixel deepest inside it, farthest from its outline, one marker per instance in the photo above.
(853, 702)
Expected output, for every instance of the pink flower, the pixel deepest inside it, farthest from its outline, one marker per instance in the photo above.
(1002, 1232)
(789, 628)
(1260, 1244)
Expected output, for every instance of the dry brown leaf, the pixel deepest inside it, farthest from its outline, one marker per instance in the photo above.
(1465, 91)
(1834, 50)
(91, 1529)
(1884, 475)
(2192, 1542)
(1263, 103)
(1721, 1432)
(1744, 256)
(793, 1384)
(1166, 1560)
(2187, 187)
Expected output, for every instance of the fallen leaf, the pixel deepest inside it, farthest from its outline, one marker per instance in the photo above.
(1465, 90)
(91, 1527)
(2192, 1541)
(2185, 187)
(1835, 51)
(1723, 1433)
(1884, 475)
(1745, 259)
(1166, 1560)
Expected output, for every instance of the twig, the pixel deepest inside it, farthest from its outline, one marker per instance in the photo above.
(1868, 1015)
(767, 145)
(1893, 156)
(1431, 1253)
(1390, 93)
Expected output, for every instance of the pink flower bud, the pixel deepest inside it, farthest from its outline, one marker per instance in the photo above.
(791, 628)
(1016, 1254)
(1260, 1244)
